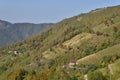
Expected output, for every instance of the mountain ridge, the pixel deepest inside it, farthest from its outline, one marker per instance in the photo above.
(10, 32)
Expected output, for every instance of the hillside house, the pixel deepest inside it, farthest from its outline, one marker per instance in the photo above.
(72, 62)
(16, 52)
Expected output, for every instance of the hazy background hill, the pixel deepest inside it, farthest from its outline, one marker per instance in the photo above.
(10, 33)
(4, 24)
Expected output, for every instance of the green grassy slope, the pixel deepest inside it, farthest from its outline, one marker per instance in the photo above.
(96, 58)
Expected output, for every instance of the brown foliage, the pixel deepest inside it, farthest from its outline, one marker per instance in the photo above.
(99, 33)
(113, 58)
(106, 35)
(106, 22)
(115, 29)
(43, 76)
(17, 75)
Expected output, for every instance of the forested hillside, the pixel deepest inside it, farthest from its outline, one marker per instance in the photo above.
(78, 48)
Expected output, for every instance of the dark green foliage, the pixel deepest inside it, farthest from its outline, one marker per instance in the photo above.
(104, 45)
(22, 74)
(2, 69)
(97, 75)
(74, 78)
(109, 59)
(116, 35)
(90, 50)
(99, 33)
(115, 29)
(50, 63)
(91, 68)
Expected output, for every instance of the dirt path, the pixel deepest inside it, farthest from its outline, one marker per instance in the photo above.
(118, 79)
(85, 77)
(110, 68)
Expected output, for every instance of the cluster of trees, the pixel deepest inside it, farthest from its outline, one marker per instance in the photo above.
(108, 22)
(6, 66)
(96, 75)
(109, 59)
(22, 74)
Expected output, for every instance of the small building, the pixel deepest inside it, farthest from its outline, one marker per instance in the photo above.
(16, 53)
(72, 62)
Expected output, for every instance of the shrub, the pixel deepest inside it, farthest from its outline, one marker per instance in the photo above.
(42, 76)
(50, 63)
(116, 35)
(18, 74)
(2, 68)
(74, 78)
(103, 64)
(99, 33)
(115, 29)
(113, 58)
(104, 45)
(91, 68)
(107, 59)
(106, 35)
(31, 75)
(97, 75)
(106, 20)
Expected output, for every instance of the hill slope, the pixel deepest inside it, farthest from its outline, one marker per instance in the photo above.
(4, 24)
(49, 55)
(97, 57)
